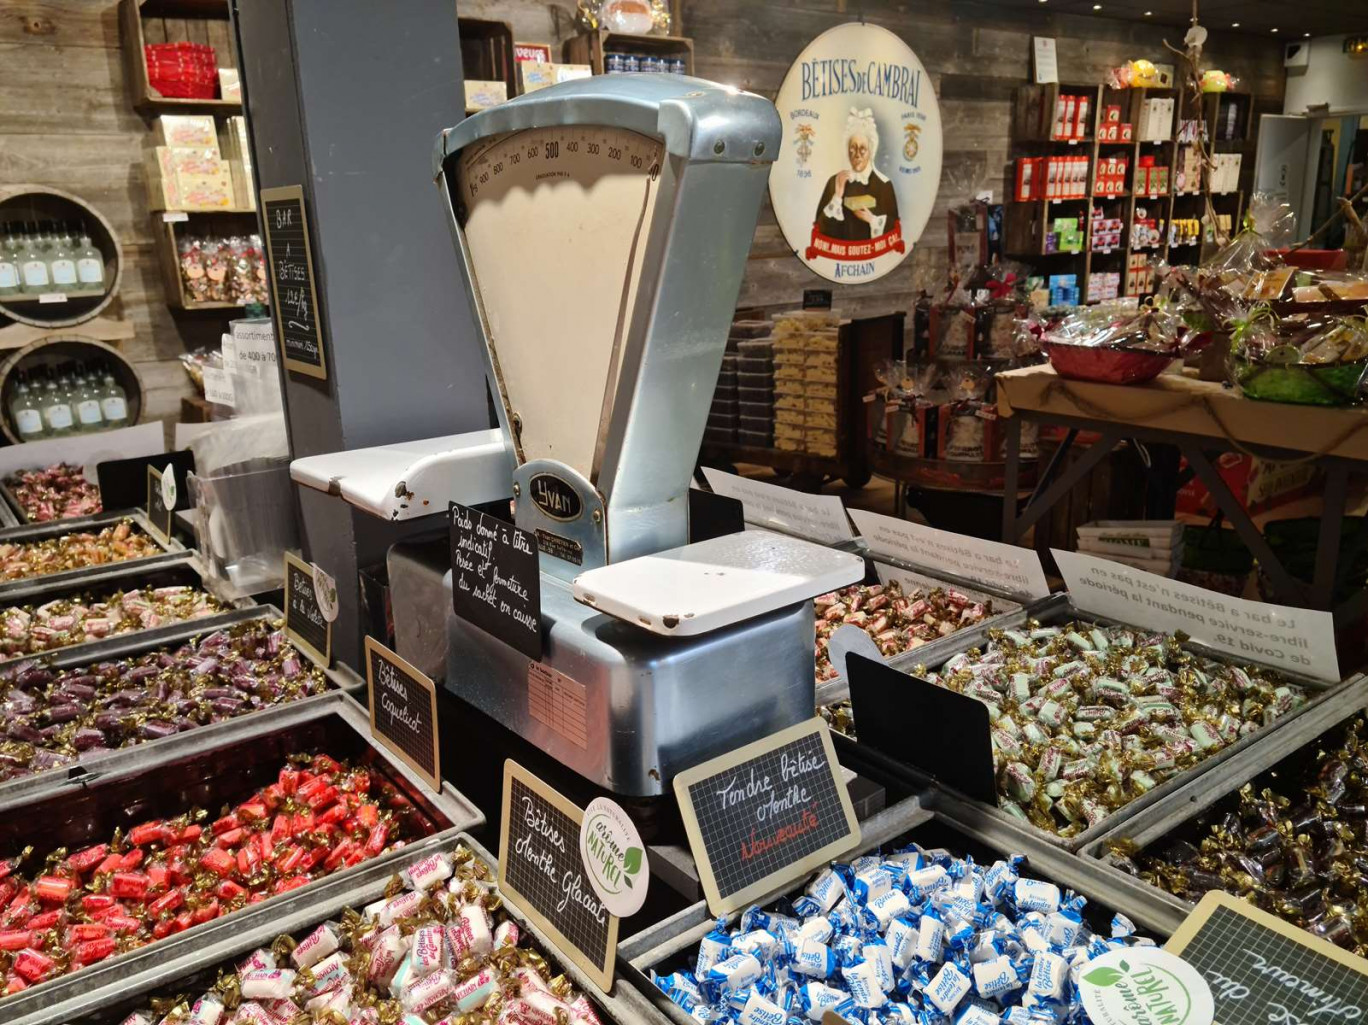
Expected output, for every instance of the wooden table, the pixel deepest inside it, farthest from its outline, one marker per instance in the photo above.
(1198, 418)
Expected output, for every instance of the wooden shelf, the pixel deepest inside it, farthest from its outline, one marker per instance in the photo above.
(37, 300)
(487, 53)
(168, 256)
(154, 21)
(591, 47)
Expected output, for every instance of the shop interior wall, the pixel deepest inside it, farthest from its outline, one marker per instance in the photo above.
(976, 54)
(67, 121)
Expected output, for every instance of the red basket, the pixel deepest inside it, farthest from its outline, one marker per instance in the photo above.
(1312, 259)
(1107, 365)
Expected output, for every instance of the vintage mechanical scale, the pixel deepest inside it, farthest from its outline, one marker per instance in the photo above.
(603, 228)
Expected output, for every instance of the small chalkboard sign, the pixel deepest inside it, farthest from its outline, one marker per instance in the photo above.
(1262, 969)
(766, 814)
(403, 711)
(712, 515)
(816, 298)
(541, 873)
(305, 623)
(496, 579)
(161, 516)
(957, 752)
(294, 297)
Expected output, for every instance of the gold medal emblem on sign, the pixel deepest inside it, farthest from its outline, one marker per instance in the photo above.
(910, 143)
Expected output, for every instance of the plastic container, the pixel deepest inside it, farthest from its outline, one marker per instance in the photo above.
(755, 424)
(1301, 384)
(763, 396)
(762, 347)
(756, 411)
(244, 524)
(754, 364)
(719, 435)
(755, 439)
(726, 379)
(747, 379)
(726, 421)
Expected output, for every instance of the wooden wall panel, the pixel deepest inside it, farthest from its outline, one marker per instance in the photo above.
(976, 55)
(66, 120)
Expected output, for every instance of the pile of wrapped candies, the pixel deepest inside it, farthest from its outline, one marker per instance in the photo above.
(1300, 853)
(912, 938)
(435, 946)
(29, 630)
(20, 560)
(55, 493)
(1087, 718)
(50, 717)
(164, 876)
(897, 622)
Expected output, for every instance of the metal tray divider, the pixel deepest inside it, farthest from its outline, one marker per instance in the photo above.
(297, 913)
(89, 767)
(131, 968)
(110, 575)
(1058, 607)
(55, 528)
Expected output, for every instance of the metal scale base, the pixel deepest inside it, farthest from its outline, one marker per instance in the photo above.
(637, 707)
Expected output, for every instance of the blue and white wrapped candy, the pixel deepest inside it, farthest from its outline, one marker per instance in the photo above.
(916, 937)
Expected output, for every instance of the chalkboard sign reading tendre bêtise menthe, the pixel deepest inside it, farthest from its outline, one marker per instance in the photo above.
(542, 874)
(1263, 970)
(294, 296)
(403, 711)
(305, 623)
(766, 814)
(495, 578)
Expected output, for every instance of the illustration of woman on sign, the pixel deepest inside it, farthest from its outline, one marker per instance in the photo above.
(859, 203)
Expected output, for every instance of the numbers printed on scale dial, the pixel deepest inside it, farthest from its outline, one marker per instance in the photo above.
(542, 152)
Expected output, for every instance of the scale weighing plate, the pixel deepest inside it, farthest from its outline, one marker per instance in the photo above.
(702, 587)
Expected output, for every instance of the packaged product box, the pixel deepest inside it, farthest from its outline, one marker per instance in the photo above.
(230, 88)
(186, 179)
(479, 95)
(186, 131)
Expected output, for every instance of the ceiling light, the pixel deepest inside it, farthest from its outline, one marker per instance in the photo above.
(1306, 35)
(1149, 14)
(1274, 31)
(1097, 7)
(1234, 24)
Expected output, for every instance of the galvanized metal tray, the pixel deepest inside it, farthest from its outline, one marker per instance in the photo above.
(56, 528)
(1216, 791)
(192, 972)
(669, 945)
(209, 770)
(1055, 609)
(1005, 605)
(182, 571)
(127, 645)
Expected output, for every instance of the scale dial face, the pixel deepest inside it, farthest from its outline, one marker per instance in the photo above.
(556, 222)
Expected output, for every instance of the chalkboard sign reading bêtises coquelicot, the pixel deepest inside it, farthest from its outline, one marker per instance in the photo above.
(290, 261)
(766, 814)
(403, 710)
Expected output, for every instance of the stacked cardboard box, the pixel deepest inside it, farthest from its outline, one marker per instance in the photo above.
(806, 352)
(185, 170)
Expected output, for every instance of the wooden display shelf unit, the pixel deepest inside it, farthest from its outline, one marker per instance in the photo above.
(171, 21)
(591, 48)
(1033, 113)
(166, 241)
(487, 53)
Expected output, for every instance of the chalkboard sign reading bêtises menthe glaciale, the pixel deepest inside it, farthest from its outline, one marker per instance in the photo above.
(295, 299)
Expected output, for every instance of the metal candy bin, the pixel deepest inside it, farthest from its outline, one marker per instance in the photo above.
(208, 769)
(1186, 813)
(1051, 611)
(1005, 604)
(670, 945)
(190, 973)
(171, 550)
(103, 581)
(132, 644)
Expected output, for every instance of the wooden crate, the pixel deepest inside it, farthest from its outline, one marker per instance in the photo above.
(166, 238)
(487, 53)
(590, 48)
(172, 21)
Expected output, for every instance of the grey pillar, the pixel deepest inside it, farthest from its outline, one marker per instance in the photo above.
(345, 98)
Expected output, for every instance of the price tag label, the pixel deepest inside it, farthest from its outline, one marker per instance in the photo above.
(820, 518)
(218, 387)
(403, 711)
(160, 512)
(543, 875)
(766, 814)
(1261, 969)
(305, 623)
(1296, 640)
(175, 217)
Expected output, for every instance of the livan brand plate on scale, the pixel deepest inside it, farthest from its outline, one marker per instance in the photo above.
(764, 815)
(860, 163)
(542, 874)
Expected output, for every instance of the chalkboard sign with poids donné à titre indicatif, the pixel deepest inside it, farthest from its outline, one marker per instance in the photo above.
(1262, 969)
(305, 623)
(496, 578)
(294, 296)
(766, 814)
(542, 874)
(403, 711)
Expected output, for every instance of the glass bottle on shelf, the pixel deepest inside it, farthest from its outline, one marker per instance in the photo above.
(90, 265)
(9, 262)
(33, 265)
(24, 412)
(61, 262)
(89, 415)
(57, 416)
(113, 402)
